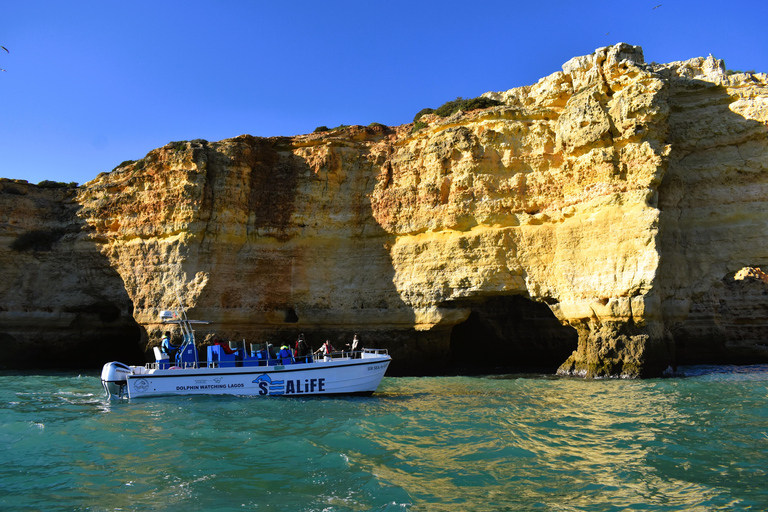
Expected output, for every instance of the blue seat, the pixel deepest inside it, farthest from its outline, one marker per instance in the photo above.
(261, 357)
(257, 357)
(250, 359)
(285, 356)
(218, 358)
(162, 359)
(188, 357)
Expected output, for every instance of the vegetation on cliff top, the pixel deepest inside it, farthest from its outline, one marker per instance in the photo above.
(56, 184)
(449, 108)
(323, 128)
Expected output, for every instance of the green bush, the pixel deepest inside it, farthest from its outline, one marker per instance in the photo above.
(377, 125)
(57, 184)
(178, 145)
(418, 125)
(321, 129)
(451, 107)
(423, 112)
(52, 184)
(124, 163)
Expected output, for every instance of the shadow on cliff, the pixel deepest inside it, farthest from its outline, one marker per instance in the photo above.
(291, 246)
(713, 224)
(306, 256)
(501, 334)
(63, 306)
(510, 334)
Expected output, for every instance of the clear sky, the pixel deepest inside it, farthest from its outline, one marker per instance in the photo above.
(89, 84)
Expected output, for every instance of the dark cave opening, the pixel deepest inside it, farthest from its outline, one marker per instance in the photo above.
(510, 334)
(290, 316)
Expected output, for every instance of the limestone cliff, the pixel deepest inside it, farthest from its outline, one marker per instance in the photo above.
(596, 219)
(59, 295)
(714, 204)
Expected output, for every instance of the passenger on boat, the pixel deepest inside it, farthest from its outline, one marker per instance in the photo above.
(285, 355)
(167, 347)
(356, 346)
(327, 348)
(225, 347)
(303, 350)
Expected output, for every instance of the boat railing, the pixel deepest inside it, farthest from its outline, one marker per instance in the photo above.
(164, 365)
(345, 354)
(376, 351)
(366, 353)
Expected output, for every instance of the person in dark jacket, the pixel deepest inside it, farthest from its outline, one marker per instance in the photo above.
(303, 350)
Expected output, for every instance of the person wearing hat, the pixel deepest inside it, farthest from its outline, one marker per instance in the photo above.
(167, 347)
(285, 355)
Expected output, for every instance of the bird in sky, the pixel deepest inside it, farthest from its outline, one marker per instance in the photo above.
(4, 48)
(656, 7)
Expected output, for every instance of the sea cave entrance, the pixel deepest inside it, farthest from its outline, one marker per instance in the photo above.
(510, 334)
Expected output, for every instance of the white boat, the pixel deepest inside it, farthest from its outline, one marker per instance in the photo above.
(244, 373)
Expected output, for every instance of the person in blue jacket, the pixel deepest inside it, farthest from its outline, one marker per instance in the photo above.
(167, 347)
(285, 355)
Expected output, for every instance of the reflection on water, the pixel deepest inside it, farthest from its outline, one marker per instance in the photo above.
(459, 443)
(549, 441)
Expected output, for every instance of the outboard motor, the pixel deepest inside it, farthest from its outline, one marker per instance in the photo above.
(114, 379)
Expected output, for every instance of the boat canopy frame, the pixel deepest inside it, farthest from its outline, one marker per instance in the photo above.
(179, 317)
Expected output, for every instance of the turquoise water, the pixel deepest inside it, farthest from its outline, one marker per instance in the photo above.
(419, 444)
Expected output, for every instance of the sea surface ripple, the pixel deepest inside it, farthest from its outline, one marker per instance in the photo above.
(496, 443)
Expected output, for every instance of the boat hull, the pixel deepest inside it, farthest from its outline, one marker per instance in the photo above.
(332, 377)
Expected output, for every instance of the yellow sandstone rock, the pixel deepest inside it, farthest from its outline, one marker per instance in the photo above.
(596, 219)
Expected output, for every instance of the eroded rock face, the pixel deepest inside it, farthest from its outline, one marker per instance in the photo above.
(59, 296)
(713, 221)
(552, 197)
(624, 197)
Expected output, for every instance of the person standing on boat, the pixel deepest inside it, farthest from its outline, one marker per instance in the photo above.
(167, 347)
(327, 348)
(303, 350)
(354, 347)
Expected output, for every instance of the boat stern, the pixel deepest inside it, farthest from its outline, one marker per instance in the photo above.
(114, 379)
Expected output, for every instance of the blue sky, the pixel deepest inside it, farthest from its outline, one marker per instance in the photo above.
(89, 84)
